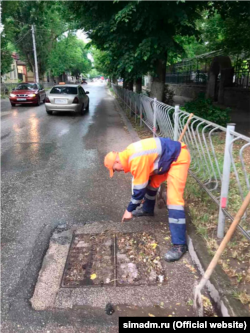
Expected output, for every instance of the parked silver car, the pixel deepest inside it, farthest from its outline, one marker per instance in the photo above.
(67, 97)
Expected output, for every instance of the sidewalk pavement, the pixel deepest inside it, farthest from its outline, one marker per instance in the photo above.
(5, 107)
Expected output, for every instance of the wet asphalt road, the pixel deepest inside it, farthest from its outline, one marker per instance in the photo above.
(52, 173)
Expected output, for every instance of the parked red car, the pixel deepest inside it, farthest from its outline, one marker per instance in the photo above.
(27, 93)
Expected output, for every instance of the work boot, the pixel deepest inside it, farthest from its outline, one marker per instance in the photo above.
(140, 212)
(176, 252)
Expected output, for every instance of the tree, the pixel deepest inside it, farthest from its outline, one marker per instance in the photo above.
(139, 35)
(6, 59)
(69, 54)
(102, 61)
(94, 73)
(224, 26)
(18, 16)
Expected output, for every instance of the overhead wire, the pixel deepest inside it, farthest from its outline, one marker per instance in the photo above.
(20, 39)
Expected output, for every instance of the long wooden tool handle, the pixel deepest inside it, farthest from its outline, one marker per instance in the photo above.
(185, 127)
(227, 237)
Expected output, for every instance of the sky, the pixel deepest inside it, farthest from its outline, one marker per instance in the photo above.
(82, 35)
(1, 25)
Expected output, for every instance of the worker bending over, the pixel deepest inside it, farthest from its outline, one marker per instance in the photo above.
(151, 162)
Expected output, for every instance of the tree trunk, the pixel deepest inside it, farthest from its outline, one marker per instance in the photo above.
(138, 85)
(124, 84)
(114, 79)
(158, 83)
(130, 85)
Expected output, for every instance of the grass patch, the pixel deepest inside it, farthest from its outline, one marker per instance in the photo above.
(235, 260)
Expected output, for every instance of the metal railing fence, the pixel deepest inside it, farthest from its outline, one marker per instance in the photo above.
(188, 77)
(220, 157)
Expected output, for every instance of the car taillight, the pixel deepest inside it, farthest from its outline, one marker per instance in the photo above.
(47, 100)
(76, 100)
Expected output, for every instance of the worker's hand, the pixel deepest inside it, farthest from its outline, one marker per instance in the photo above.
(127, 216)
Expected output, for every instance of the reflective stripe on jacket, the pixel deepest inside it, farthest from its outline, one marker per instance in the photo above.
(145, 158)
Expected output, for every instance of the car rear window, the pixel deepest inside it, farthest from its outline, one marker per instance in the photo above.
(64, 90)
(26, 86)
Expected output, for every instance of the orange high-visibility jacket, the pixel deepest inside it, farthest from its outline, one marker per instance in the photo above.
(145, 158)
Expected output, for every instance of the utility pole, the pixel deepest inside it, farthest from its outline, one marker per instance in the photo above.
(35, 56)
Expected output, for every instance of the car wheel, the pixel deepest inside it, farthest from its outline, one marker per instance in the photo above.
(49, 112)
(87, 108)
(38, 102)
(82, 110)
(44, 99)
(13, 104)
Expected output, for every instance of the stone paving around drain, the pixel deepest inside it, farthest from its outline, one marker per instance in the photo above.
(177, 288)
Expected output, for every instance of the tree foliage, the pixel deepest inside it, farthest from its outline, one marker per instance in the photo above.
(18, 16)
(69, 54)
(103, 62)
(224, 26)
(134, 37)
(137, 34)
(6, 59)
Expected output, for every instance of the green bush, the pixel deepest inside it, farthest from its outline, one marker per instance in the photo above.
(204, 108)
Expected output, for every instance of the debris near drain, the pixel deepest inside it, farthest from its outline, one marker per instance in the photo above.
(207, 307)
(90, 261)
(109, 309)
(138, 260)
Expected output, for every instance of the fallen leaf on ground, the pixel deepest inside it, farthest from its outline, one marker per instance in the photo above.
(151, 315)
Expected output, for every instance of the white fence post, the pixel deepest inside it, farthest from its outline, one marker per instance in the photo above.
(154, 124)
(225, 181)
(176, 122)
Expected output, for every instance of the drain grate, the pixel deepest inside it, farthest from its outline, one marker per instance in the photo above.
(89, 255)
(113, 260)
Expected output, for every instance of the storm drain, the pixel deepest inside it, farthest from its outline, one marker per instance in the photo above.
(96, 260)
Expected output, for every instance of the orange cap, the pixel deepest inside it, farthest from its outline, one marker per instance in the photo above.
(109, 162)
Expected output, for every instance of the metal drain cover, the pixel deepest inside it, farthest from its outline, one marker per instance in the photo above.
(113, 260)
